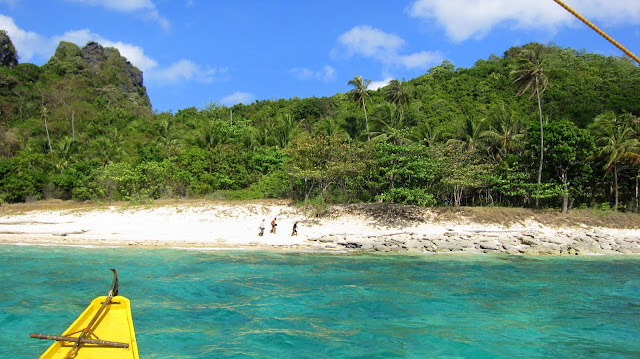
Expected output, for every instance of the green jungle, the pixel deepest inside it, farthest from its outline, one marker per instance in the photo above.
(539, 127)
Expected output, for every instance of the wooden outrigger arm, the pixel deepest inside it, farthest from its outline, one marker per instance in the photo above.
(83, 337)
(62, 338)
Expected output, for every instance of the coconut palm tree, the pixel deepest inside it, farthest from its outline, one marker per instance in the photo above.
(329, 126)
(504, 133)
(529, 75)
(388, 125)
(426, 134)
(470, 135)
(359, 94)
(262, 134)
(165, 131)
(353, 126)
(617, 142)
(63, 152)
(398, 93)
(211, 134)
(109, 148)
(287, 129)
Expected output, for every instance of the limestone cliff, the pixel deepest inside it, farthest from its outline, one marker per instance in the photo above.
(8, 54)
(103, 65)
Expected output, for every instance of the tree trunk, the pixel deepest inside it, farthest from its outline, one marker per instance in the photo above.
(457, 195)
(366, 119)
(46, 128)
(565, 195)
(307, 194)
(541, 139)
(73, 130)
(615, 186)
(637, 195)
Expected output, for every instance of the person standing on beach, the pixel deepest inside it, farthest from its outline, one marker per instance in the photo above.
(294, 232)
(261, 228)
(273, 226)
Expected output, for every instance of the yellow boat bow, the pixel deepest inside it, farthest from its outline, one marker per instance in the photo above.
(115, 324)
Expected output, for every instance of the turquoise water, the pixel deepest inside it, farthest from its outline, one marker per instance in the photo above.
(213, 304)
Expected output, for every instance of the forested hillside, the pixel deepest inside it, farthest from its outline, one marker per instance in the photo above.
(539, 126)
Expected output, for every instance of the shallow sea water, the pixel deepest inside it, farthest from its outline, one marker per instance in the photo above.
(244, 304)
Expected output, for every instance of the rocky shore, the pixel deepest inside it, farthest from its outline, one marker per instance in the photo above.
(515, 242)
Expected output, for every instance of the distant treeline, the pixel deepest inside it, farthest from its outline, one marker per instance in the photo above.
(451, 137)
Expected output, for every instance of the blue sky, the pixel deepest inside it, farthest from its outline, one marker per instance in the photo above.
(200, 52)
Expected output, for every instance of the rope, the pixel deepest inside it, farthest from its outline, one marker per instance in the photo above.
(594, 27)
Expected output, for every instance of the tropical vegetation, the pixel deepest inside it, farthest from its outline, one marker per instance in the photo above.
(451, 137)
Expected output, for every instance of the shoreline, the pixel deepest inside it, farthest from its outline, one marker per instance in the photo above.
(363, 228)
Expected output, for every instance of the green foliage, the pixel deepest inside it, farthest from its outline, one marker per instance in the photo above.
(452, 136)
(411, 196)
(20, 184)
(315, 207)
(275, 184)
(78, 181)
(315, 164)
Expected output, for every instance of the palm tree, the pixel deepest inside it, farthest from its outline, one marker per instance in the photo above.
(63, 153)
(262, 134)
(617, 141)
(470, 135)
(359, 94)
(426, 134)
(397, 92)
(329, 126)
(211, 134)
(529, 76)
(165, 132)
(287, 129)
(353, 126)
(504, 133)
(389, 125)
(107, 149)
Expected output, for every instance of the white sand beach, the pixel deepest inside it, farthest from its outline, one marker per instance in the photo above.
(234, 225)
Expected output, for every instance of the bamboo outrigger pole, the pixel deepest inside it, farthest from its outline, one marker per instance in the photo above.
(594, 27)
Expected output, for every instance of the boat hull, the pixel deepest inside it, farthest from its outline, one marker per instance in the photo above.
(115, 324)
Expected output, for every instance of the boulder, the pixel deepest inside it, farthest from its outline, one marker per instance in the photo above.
(491, 246)
(530, 241)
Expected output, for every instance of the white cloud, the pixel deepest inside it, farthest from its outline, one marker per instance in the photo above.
(419, 59)
(186, 70)
(370, 42)
(464, 19)
(327, 74)
(28, 44)
(378, 84)
(238, 97)
(146, 6)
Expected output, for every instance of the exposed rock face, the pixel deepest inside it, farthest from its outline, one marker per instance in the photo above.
(105, 62)
(8, 53)
(515, 242)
